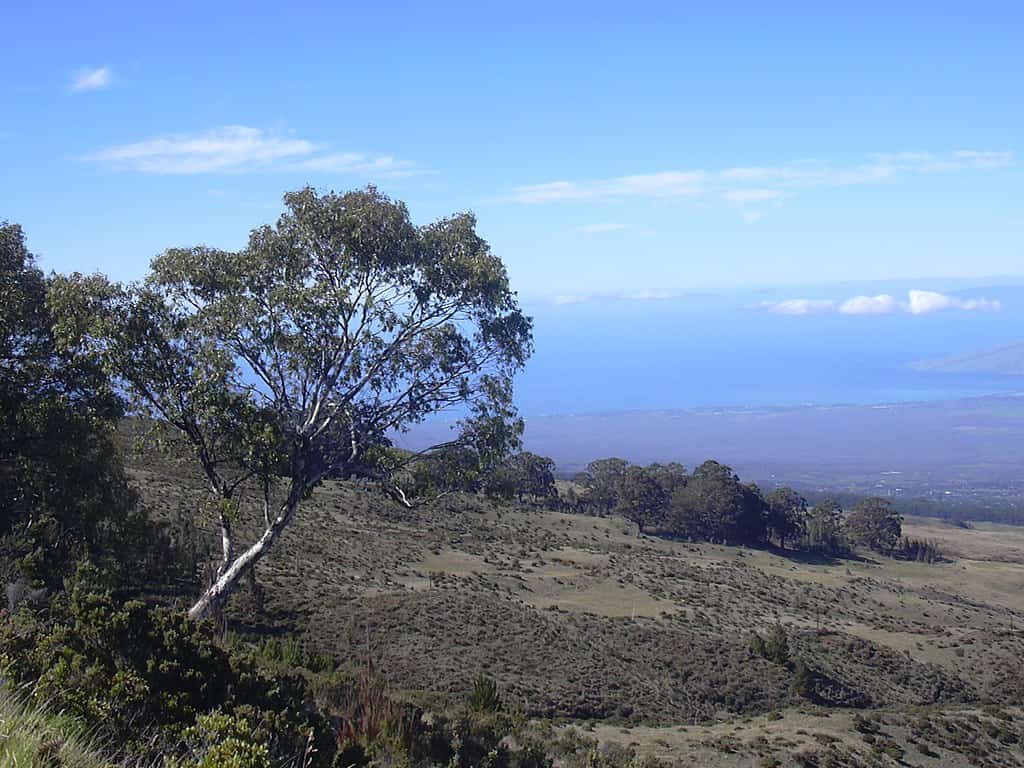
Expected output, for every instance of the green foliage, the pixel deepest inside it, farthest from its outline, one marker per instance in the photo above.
(140, 676)
(218, 740)
(298, 355)
(714, 505)
(774, 647)
(802, 683)
(824, 532)
(874, 524)
(787, 513)
(669, 477)
(525, 474)
(601, 479)
(290, 654)
(919, 550)
(484, 697)
(64, 497)
(640, 498)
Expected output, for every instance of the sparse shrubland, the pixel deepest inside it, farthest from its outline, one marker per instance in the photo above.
(494, 622)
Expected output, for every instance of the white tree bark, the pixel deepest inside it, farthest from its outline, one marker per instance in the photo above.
(230, 577)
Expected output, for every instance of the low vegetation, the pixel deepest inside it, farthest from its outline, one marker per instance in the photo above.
(456, 607)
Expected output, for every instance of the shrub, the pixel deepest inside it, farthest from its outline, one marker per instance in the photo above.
(140, 677)
(485, 696)
(218, 740)
(776, 646)
(803, 680)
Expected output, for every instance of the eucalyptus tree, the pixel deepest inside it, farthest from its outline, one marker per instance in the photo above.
(875, 524)
(825, 530)
(294, 359)
(640, 498)
(787, 514)
(714, 505)
(601, 478)
(532, 475)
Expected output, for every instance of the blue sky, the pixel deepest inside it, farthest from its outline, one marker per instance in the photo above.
(635, 150)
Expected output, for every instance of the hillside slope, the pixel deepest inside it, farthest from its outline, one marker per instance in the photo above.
(580, 617)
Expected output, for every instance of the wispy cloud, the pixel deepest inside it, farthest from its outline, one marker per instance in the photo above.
(584, 298)
(596, 229)
(651, 185)
(91, 80)
(239, 149)
(800, 306)
(752, 187)
(918, 302)
(356, 162)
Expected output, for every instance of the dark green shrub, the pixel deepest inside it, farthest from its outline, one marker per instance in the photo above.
(484, 696)
(141, 677)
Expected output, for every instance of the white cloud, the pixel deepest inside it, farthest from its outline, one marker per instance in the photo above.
(356, 162)
(91, 79)
(918, 303)
(617, 296)
(653, 185)
(239, 148)
(800, 306)
(231, 148)
(594, 229)
(751, 186)
(883, 304)
(926, 302)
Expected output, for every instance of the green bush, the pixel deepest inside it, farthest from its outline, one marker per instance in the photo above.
(774, 648)
(222, 741)
(140, 677)
(485, 696)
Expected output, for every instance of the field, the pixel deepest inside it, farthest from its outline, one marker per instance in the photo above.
(638, 640)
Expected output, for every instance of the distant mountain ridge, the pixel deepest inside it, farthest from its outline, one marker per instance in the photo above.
(1006, 359)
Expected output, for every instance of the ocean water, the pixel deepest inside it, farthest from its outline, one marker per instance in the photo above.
(709, 352)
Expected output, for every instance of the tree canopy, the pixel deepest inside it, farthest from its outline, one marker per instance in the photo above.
(63, 494)
(641, 498)
(299, 356)
(874, 524)
(787, 513)
(715, 505)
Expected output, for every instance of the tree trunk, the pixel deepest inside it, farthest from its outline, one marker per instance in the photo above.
(230, 577)
(226, 544)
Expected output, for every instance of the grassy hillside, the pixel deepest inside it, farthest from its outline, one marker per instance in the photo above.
(638, 639)
(31, 738)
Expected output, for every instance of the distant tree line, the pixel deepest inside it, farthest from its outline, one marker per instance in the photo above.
(524, 476)
(1008, 510)
(713, 504)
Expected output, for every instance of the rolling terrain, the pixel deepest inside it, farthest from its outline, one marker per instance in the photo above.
(588, 626)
